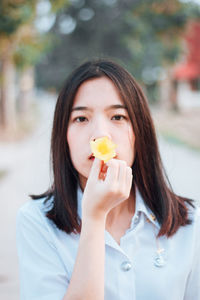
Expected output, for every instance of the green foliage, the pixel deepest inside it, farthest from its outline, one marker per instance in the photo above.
(17, 19)
(30, 52)
(58, 5)
(157, 28)
(143, 35)
(15, 13)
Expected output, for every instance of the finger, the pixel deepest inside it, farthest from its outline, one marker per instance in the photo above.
(122, 172)
(129, 178)
(95, 169)
(112, 171)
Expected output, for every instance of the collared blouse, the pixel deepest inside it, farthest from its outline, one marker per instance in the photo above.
(142, 267)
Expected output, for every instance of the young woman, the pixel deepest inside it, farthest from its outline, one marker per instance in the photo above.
(111, 230)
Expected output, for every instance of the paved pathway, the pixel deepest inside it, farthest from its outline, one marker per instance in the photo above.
(27, 163)
(28, 166)
(182, 165)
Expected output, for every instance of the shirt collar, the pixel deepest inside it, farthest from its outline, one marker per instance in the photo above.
(140, 207)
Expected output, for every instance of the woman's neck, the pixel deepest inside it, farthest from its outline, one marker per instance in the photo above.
(126, 208)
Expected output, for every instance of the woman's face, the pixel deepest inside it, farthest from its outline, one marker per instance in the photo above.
(98, 111)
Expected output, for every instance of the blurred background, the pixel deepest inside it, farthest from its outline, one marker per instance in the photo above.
(41, 41)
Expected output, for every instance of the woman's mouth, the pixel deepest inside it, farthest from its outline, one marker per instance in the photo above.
(91, 157)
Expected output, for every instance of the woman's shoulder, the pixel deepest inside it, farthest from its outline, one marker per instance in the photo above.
(194, 211)
(32, 224)
(194, 218)
(41, 204)
(34, 210)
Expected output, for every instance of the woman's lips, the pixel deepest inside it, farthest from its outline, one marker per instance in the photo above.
(91, 157)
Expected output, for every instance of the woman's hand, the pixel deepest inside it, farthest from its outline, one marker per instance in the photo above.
(107, 186)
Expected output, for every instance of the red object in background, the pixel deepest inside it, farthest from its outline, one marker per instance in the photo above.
(186, 71)
(190, 69)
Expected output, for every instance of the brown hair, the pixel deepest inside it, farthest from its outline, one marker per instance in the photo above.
(148, 172)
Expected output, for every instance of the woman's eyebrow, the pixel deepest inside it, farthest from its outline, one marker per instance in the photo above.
(80, 108)
(114, 106)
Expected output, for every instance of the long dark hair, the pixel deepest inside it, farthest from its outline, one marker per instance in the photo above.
(148, 172)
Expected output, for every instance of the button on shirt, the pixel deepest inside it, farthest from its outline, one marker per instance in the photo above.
(140, 268)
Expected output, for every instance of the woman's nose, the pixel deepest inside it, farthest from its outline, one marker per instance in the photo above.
(100, 129)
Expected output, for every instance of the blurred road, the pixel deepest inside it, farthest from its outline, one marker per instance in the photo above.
(27, 163)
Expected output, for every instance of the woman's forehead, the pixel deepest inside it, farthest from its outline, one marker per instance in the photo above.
(97, 91)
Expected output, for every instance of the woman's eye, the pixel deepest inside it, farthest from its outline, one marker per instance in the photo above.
(118, 118)
(80, 119)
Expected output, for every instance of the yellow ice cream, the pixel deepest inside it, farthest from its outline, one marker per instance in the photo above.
(103, 148)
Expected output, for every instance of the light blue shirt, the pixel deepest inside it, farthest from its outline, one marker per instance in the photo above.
(134, 270)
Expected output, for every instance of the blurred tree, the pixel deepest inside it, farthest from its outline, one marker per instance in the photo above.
(27, 53)
(159, 27)
(13, 14)
(21, 47)
(143, 35)
(85, 29)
